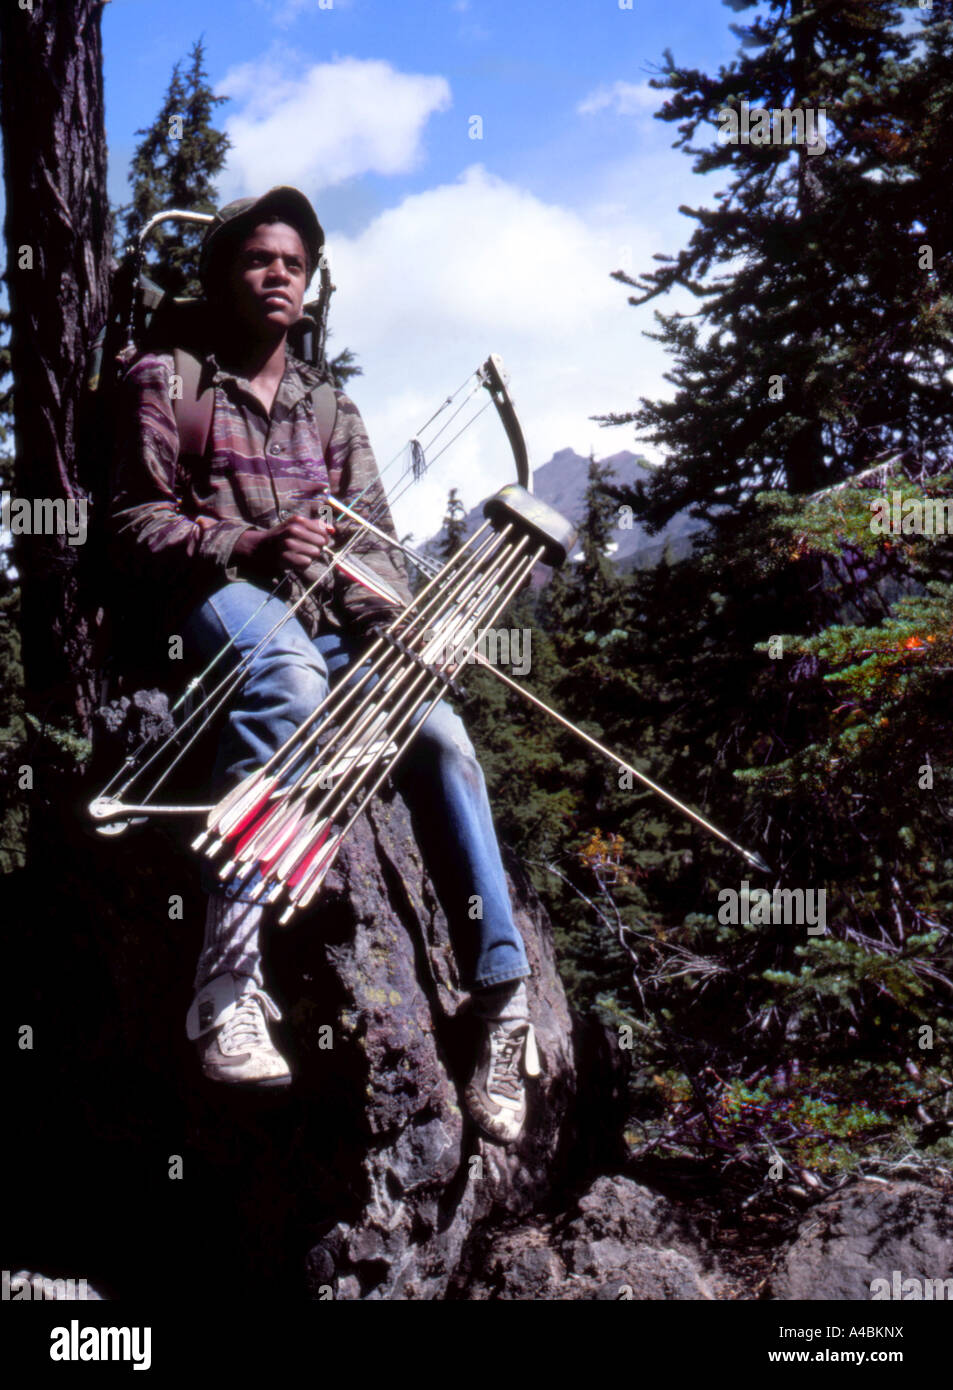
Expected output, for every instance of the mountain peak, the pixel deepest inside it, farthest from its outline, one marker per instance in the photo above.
(562, 483)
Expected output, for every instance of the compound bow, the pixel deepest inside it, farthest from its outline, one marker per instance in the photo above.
(278, 832)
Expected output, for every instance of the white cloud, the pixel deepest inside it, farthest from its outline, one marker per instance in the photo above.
(331, 122)
(434, 285)
(624, 98)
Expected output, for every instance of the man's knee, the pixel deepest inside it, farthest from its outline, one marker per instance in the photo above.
(293, 685)
(444, 736)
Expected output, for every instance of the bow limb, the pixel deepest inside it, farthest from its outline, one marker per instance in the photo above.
(494, 378)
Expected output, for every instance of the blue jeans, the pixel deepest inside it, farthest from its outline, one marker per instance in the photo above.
(438, 775)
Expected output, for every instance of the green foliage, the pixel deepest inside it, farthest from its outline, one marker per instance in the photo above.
(175, 166)
(828, 1122)
(66, 740)
(454, 527)
(789, 679)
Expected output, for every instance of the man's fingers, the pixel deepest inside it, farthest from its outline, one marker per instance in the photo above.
(302, 541)
(303, 528)
(304, 547)
(301, 558)
(301, 554)
(312, 544)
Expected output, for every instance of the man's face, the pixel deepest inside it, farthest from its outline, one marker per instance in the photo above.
(264, 285)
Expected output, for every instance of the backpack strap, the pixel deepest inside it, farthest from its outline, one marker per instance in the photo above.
(193, 413)
(325, 404)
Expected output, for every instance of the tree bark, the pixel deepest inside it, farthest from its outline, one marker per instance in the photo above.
(58, 242)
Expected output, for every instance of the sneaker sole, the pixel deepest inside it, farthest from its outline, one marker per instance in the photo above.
(254, 1084)
(487, 1133)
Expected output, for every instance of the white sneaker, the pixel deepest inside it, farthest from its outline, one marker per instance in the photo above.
(496, 1095)
(227, 1021)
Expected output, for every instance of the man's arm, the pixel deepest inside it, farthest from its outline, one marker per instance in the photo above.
(152, 535)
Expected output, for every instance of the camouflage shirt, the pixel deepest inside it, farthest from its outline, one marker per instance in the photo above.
(174, 521)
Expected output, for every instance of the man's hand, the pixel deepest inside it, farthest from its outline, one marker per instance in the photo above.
(293, 544)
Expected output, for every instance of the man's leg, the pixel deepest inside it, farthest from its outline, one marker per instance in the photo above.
(282, 685)
(443, 784)
(445, 790)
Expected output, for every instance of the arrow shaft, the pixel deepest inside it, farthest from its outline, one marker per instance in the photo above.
(620, 762)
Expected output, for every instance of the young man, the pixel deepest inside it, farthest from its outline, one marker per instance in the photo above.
(213, 535)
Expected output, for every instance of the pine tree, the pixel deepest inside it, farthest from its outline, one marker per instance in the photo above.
(454, 527)
(175, 166)
(791, 669)
(819, 344)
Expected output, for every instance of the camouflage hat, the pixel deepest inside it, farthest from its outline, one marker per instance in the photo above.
(289, 202)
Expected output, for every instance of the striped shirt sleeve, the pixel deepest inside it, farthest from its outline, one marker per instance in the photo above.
(153, 536)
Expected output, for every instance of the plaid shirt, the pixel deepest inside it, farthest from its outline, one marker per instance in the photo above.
(174, 521)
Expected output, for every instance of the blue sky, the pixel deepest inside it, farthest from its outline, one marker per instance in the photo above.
(445, 247)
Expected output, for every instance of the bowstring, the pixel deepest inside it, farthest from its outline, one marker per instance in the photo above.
(460, 431)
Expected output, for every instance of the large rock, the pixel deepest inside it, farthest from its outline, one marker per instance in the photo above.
(864, 1233)
(365, 1179)
(620, 1241)
(380, 970)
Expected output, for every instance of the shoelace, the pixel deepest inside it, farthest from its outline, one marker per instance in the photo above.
(507, 1054)
(247, 1023)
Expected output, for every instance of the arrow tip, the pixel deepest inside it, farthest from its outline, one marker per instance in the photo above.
(757, 862)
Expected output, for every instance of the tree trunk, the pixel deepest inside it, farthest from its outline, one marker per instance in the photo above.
(58, 242)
